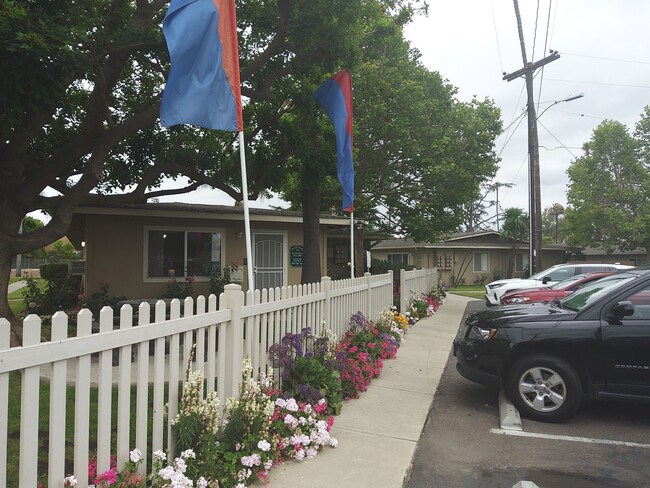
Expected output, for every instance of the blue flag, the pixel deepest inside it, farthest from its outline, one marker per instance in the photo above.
(203, 87)
(335, 95)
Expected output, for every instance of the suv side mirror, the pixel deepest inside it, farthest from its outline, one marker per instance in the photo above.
(622, 309)
(546, 279)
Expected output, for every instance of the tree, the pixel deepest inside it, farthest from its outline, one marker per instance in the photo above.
(80, 96)
(515, 229)
(553, 223)
(419, 154)
(609, 189)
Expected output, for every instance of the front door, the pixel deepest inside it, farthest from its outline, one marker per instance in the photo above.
(269, 260)
(627, 342)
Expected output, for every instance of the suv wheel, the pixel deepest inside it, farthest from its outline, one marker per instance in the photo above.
(544, 388)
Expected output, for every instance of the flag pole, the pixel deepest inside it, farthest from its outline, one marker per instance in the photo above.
(352, 244)
(247, 220)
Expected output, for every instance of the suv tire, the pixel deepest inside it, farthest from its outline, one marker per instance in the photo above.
(544, 388)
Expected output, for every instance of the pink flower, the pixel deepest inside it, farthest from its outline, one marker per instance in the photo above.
(191, 279)
(80, 297)
(170, 282)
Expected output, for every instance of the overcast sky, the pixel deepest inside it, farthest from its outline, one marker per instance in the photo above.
(604, 48)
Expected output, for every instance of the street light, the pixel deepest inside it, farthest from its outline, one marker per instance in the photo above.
(535, 201)
(574, 97)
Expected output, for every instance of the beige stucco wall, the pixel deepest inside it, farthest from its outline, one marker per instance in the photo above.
(462, 261)
(115, 251)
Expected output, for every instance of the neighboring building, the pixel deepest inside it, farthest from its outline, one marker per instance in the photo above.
(635, 257)
(139, 248)
(472, 257)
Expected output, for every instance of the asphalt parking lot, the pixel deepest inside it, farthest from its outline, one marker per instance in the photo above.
(606, 444)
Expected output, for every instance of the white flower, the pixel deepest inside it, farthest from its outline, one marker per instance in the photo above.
(166, 473)
(201, 483)
(135, 456)
(268, 464)
(281, 402)
(189, 453)
(70, 481)
(311, 453)
(160, 455)
(334, 442)
(292, 405)
(263, 445)
(299, 455)
(256, 459)
(180, 465)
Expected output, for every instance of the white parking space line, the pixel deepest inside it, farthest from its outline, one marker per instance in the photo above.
(587, 440)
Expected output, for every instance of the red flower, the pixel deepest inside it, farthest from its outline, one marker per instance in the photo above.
(191, 278)
(170, 282)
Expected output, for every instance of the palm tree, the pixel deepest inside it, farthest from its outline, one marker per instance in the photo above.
(515, 228)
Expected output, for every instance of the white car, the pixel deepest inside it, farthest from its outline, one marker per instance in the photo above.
(495, 290)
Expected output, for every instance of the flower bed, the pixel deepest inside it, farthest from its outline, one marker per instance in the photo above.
(271, 422)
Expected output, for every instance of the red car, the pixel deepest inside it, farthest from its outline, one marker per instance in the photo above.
(549, 293)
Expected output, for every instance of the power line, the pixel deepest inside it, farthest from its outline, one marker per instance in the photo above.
(599, 83)
(496, 35)
(559, 141)
(606, 59)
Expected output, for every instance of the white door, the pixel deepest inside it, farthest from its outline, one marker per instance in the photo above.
(269, 260)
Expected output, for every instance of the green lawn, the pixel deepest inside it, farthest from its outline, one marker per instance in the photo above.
(13, 435)
(472, 291)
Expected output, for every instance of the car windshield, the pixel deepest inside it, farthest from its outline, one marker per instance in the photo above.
(594, 290)
(560, 285)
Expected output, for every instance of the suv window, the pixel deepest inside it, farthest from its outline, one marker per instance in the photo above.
(560, 274)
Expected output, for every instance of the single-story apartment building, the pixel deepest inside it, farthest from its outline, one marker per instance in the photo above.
(138, 248)
(468, 257)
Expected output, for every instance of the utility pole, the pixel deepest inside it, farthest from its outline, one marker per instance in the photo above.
(535, 199)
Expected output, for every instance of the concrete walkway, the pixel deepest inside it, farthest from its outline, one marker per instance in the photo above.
(379, 432)
(17, 285)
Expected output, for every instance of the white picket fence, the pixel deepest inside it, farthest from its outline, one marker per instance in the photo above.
(153, 355)
(415, 283)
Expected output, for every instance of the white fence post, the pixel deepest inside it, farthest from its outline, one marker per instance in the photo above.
(5, 330)
(402, 291)
(326, 286)
(234, 345)
(369, 310)
(29, 408)
(56, 465)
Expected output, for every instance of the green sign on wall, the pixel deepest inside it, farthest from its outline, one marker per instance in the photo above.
(296, 256)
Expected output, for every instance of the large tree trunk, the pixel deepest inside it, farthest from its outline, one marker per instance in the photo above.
(311, 272)
(5, 311)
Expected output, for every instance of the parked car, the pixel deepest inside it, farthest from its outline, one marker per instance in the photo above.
(553, 292)
(592, 343)
(496, 289)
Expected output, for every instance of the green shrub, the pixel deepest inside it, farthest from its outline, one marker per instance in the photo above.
(61, 290)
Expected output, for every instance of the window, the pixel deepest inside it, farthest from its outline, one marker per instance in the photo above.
(481, 262)
(398, 258)
(181, 253)
(641, 302)
(444, 261)
(521, 261)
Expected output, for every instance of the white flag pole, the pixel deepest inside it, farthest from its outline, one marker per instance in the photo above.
(352, 244)
(247, 221)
